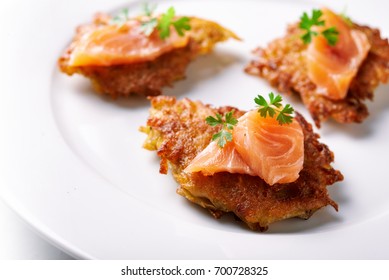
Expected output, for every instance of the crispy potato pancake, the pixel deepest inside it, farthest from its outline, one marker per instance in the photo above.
(283, 64)
(146, 78)
(178, 132)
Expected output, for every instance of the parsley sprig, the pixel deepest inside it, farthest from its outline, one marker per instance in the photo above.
(167, 19)
(164, 22)
(331, 35)
(273, 107)
(227, 125)
(161, 23)
(306, 23)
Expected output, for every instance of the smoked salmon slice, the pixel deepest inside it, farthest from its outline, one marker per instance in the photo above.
(116, 44)
(332, 68)
(214, 159)
(124, 58)
(274, 152)
(260, 147)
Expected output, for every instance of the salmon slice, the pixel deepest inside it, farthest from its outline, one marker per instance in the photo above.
(332, 68)
(120, 60)
(116, 44)
(274, 152)
(214, 159)
(260, 147)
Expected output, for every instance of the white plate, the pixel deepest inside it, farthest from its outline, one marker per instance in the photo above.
(72, 164)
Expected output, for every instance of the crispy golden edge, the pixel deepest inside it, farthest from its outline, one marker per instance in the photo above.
(178, 132)
(283, 64)
(146, 78)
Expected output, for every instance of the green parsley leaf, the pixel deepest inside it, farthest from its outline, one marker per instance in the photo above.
(224, 135)
(121, 18)
(166, 20)
(271, 108)
(181, 24)
(288, 109)
(331, 35)
(260, 100)
(214, 122)
(230, 120)
(264, 107)
(164, 23)
(284, 116)
(306, 23)
(275, 101)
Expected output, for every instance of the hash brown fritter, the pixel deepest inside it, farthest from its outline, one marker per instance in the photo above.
(283, 64)
(178, 132)
(146, 78)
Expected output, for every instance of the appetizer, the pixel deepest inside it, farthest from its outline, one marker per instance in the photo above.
(263, 165)
(333, 63)
(141, 55)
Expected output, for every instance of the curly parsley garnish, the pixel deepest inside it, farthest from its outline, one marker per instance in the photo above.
(167, 19)
(164, 22)
(161, 23)
(272, 108)
(227, 125)
(331, 35)
(306, 23)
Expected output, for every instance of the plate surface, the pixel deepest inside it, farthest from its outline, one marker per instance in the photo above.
(73, 167)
